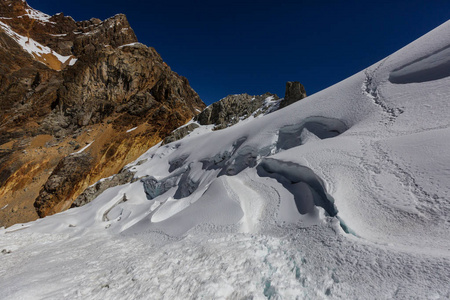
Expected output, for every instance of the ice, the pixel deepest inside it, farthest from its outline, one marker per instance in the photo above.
(311, 128)
(307, 188)
(186, 186)
(177, 163)
(153, 188)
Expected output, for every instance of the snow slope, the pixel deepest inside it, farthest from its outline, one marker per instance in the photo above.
(38, 51)
(343, 195)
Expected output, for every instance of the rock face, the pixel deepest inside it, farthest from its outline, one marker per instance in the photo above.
(65, 85)
(95, 190)
(180, 133)
(70, 170)
(294, 91)
(231, 109)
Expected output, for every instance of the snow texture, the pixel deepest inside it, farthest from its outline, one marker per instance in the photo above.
(34, 48)
(82, 149)
(37, 15)
(343, 195)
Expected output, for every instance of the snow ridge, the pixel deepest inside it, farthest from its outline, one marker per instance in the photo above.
(35, 49)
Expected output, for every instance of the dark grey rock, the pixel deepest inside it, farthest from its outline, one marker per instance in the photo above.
(294, 91)
(95, 190)
(233, 108)
(180, 133)
(67, 174)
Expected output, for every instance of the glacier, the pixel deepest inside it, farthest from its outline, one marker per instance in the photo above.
(342, 195)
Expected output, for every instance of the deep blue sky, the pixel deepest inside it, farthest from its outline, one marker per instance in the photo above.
(230, 47)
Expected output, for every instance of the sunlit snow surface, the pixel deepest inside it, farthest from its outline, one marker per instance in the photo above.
(343, 195)
(34, 48)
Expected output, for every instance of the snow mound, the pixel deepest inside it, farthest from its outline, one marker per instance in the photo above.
(431, 67)
(318, 127)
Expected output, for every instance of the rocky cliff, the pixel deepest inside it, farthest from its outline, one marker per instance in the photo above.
(78, 101)
(234, 108)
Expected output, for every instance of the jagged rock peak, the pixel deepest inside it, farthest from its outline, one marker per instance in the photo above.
(62, 35)
(294, 91)
(233, 108)
(95, 34)
(10, 8)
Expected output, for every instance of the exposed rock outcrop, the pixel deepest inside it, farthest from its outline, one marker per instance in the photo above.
(180, 133)
(63, 34)
(131, 80)
(234, 108)
(231, 109)
(86, 82)
(99, 187)
(295, 91)
(70, 170)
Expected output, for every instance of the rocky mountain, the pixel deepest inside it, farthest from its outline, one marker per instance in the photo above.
(222, 114)
(78, 101)
(234, 108)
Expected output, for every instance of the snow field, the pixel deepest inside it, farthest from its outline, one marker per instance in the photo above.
(291, 263)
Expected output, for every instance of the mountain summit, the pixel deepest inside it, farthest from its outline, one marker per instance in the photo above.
(78, 101)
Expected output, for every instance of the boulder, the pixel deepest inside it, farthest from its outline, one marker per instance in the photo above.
(295, 91)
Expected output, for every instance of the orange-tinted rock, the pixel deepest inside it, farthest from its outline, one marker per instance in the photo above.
(48, 111)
